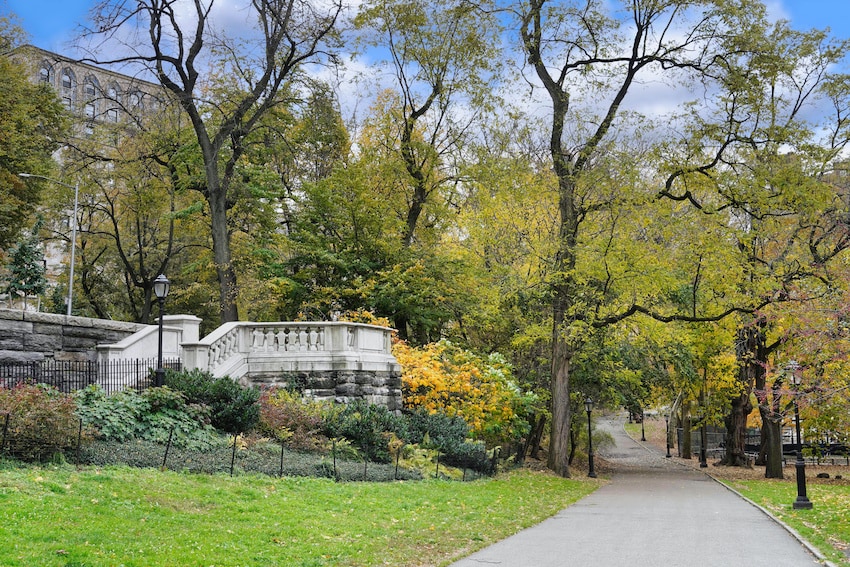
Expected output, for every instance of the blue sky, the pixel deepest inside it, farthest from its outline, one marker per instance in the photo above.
(51, 23)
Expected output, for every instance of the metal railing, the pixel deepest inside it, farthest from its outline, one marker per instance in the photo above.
(71, 375)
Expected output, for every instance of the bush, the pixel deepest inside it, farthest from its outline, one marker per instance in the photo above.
(42, 422)
(449, 436)
(233, 408)
(369, 427)
(111, 417)
(284, 415)
(152, 415)
(442, 377)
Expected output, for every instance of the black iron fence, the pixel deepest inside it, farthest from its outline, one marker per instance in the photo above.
(72, 375)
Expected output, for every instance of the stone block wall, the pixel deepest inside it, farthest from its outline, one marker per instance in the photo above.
(27, 337)
(340, 386)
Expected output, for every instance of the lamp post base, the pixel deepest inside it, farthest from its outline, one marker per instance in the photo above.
(802, 502)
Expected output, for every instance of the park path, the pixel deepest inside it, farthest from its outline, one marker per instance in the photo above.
(654, 512)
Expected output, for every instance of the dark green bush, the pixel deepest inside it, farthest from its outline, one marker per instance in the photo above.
(233, 408)
(369, 427)
(41, 421)
(449, 435)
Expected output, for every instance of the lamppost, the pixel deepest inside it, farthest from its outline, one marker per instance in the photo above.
(76, 189)
(703, 441)
(642, 430)
(160, 289)
(588, 407)
(667, 433)
(802, 502)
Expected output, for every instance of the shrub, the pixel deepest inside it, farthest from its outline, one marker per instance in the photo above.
(233, 408)
(369, 427)
(286, 416)
(152, 416)
(449, 435)
(42, 422)
(112, 417)
(442, 377)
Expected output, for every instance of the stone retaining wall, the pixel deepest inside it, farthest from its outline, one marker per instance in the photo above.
(27, 336)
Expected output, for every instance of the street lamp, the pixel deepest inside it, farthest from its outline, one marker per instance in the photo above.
(76, 189)
(642, 430)
(802, 502)
(588, 407)
(703, 441)
(160, 289)
(667, 433)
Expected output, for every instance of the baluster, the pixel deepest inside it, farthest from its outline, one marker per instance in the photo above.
(313, 339)
(320, 345)
(258, 340)
(271, 339)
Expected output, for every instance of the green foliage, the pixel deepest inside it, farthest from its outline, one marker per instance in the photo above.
(233, 408)
(26, 266)
(32, 124)
(286, 416)
(42, 422)
(369, 427)
(154, 415)
(112, 417)
(449, 435)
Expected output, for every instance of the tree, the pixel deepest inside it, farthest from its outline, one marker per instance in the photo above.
(188, 54)
(32, 123)
(724, 46)
(26, 267)
(442, 57)
(575, 45)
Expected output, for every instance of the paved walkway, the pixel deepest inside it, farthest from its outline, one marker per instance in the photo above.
(654, 512)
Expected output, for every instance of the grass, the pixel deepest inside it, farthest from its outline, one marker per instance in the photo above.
(826, 525)
(121, 516)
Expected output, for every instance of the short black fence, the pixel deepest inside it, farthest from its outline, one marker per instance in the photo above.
(71, 375)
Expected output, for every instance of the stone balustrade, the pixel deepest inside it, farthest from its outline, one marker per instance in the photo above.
(325, 360)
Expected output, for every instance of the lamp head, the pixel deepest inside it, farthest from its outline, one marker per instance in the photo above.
(588, 405)
(793, 369)
(161, 286)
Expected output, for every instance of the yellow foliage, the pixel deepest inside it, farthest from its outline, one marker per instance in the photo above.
(442, 377)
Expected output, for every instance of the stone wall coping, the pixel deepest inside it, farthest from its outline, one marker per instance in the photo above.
(56, 319)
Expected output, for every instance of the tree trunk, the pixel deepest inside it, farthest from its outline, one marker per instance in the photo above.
(227, 288)
(534, 437)
(573, 445)
(560, 431)
(687, 449)
(772, 429)
(751, 354)
(736, 431)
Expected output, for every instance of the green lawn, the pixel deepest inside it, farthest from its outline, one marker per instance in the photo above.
(119, 516)
(826, 525)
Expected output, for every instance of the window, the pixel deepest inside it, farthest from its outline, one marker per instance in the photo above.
(90, 110)
(67, 79)
(44, 74)
(113, 96)
(69, 88)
